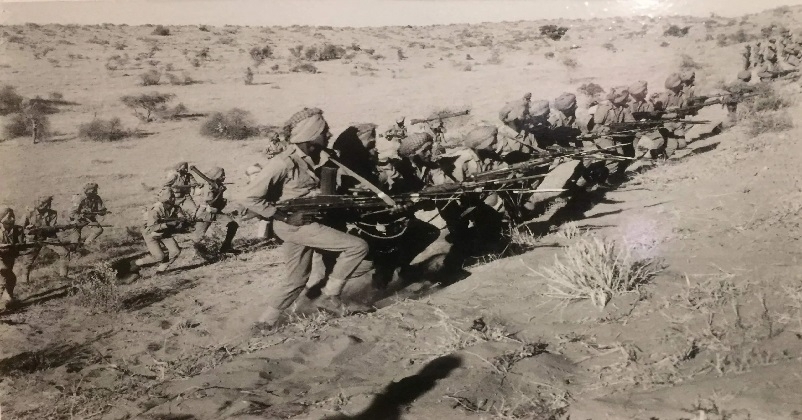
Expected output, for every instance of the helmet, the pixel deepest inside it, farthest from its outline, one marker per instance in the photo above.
(217, 173)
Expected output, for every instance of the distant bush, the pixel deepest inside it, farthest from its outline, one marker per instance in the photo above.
(591, 90)
(259, 55)
(676, 31)
(150, 78)
(553, 32)
(235, 124)
(23, 123)
(10, 100)
(687, 62)
(665, 44)
(495, 58)
(326, 52)
(609, 47)
(549, 55)
(570, 62)
(296, 51)
(769, 100)
(781, 11)
(160, 30)
(304, 68)
(115, 62)
(183, 79)
(103, 130)
(96, 289)
(147, 104)
(203, 28)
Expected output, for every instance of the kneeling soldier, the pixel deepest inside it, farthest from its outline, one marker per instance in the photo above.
(12, 237)
(161, 223)
(40, 225)
(212, 210)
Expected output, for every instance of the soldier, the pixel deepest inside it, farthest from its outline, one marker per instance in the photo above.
(673, 98)
(515, 113)
(640, 107)
(736, 89)
(212, 211)
(747, 57)
(688, 78)
(565, 126)
(614, 111)
(181, 181)
(85, 212)
(42, 216)
(770, 69)
(289, 175)
(12, 237)
(162, 221)
(398, 131)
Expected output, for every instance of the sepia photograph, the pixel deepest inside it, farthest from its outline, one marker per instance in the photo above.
(400, 210)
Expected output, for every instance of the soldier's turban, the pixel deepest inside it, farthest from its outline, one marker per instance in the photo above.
(5, 211)
(481, 137)
(539, 109)
(673, 81)
(366, 132)
(400, 120)
(90, 187)
(618, 94)
(387, 148)
(43, 200)
(565, 101)
(687, 75)
(413, 143)
(745, 75)
(181, 166)
(638, 88)
(308, 129)
(253, 169)
(216, 173)
(528, 96)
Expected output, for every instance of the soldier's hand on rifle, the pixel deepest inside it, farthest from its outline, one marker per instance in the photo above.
(299, 218)
(399, 209)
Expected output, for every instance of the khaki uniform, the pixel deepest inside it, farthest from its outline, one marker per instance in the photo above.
(212, 211)
(606, 114)
(764, 72)
(290, 175)
(8, 280)
(158, 232)
(39, 219)
(182, 185)
(85, 210)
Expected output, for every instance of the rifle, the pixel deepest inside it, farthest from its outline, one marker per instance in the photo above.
(440, 117)
(28, 245)
(212, 183)
(649, 124)
(781, 73)
(40, 230)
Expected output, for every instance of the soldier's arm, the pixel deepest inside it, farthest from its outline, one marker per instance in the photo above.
(172, 177)
(266, 187)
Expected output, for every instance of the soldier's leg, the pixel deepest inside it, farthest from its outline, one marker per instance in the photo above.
(298, 266)
(7, 276)
(155, 250)
(200, 230)
(25, 263)
(63, 259)
(95, 230)
(173, 252)
(231, 230)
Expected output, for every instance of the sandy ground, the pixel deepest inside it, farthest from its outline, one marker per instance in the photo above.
(717, 334)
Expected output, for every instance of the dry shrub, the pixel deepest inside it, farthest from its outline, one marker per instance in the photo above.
(770, 122)
(676, 31)
(23, 123)
(591, 90)
(596, 269)
(10, 100)
(147, 104)
(235, 124)
(103, 130)
(609, 47)
(96, 289)
(495, 58)
(150, 78)
(160, 30)
(182, 80)
(570, 62)
(304, 68)
(687, 62)
(769, 100)
(259, 55)
(553, 32)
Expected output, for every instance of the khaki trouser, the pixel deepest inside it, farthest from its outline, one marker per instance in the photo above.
(300, 243)
(29, 258)
(92, 231)
(8, 280)
(560, 177)
(202, 227)
(626, 148)
(154, 244)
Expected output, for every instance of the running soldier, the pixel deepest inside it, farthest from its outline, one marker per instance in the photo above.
(40, 225)
(212, 211)
(615, 111)
(85, 214)
(182, 183)
(12, 239)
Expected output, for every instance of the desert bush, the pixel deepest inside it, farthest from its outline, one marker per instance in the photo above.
(467, 67)
(115, 62)
(596, 269)
(781, 11)
(98, 41)
(609, 47)
(296, 50)
(495, 58)
(147, 104)
(10, 100)
(665, 44)
(96, 289)
(591, 90)
(183, 79)
(570, 62)
(326, 52)
(22, 124)
(56, 96)
(259, 55)
(549, 55)
(304, 68)
(120, 46)
(203, 28)
(236, 124)
(553, 32)
(160, 31)
(769, 100)
(676, 31)
(150, 78)
(769, 122)
(687, 62)
(103, 130)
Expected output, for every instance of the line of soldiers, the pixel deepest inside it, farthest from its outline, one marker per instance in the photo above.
(774, 57)
(553, 150)
(40, 229)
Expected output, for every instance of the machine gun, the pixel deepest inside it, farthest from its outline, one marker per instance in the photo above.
(441, 116)
(212, 183)
(45, 230)
(650, 124)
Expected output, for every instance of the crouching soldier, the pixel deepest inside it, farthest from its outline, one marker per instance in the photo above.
(211, 210)
(289, 175)
(615, 111)
(12, 238)
(85, 213)
(182, 183)
(162, 221)
(40, 225)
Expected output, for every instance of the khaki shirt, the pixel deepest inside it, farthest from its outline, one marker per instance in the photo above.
(157, 214)
(37, 219)
(85, 206)
(291, 174)
(175, 180)
(13, 236)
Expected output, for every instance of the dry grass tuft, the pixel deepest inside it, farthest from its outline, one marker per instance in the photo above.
(96, 289)
(596, 269)
(770, 122)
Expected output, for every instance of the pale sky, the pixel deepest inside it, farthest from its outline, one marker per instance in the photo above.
(357, 12)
